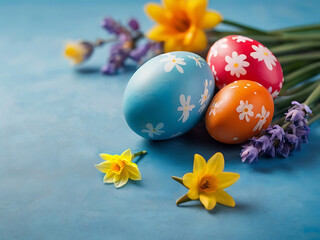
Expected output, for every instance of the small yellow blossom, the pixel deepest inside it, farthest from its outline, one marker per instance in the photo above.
(77, 52)
(208, 181)
(119, 169)
(181, 23)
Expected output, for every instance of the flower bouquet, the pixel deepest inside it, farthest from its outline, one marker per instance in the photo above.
(252, 87)
(189, 26)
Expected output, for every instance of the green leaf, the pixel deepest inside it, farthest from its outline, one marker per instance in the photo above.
(183, 199)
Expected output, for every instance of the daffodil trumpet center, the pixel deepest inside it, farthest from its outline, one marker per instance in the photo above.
(181, 22)
(117, 166)
(208, 184)
(119, 163)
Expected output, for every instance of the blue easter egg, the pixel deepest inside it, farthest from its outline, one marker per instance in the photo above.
(168, 95)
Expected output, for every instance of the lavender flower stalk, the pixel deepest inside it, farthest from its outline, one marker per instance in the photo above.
(280, 141)
(126, 47)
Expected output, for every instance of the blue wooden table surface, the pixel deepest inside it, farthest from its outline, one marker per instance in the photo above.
(55, 120)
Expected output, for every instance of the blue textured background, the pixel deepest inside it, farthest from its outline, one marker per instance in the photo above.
(54, 121)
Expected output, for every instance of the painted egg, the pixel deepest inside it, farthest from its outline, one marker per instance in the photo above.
(239, 111)
(236, 57)
(168, 95)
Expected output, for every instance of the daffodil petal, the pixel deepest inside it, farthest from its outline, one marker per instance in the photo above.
(124, 177)
(193, 193)
(173, 44)
(173, 5)
(116, 177)
(161, 33)
(224, 198)
(75, 51)
(103, 167)
(198, 41)
(158, 13)
(196, 9)
(133, 171)
(210, 19)
(226, 179)
(109, 177)
(208, 200)
(190, 180)
(189, 35)
(106, 157)
(127, 155)
(215, 164)
(199, 163)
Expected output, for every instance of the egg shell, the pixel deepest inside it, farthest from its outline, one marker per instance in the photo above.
(239, 111)
(237, 57)
(168, 95)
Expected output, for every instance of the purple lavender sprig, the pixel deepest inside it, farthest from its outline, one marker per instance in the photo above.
(127, 45)
(280, 140)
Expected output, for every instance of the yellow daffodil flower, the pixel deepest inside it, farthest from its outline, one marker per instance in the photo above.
(181, 23)
(119, 169)
(208, 181)
(77, 52)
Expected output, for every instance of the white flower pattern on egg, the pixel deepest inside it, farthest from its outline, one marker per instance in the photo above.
(204, 97)
(275, 93)
(214, 107)
(214, 73)
(263, 118)
(198, 61)
(173, 61)
(242, 39)
(153, 130)
(236, 64)
(185, 107)
(245, 110)
(218, 44)
(264, 54)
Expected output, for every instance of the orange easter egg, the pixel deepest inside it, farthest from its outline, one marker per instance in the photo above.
(239, 111)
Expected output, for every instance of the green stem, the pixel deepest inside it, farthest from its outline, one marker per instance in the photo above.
(183, 199)
(315, 109)
(279, 113)
(315, 114)
(179, 180)
(100, 42)
(244, 27)
(214, 32)
(311, 27)
(298, 57)
(283, 102)
(294, 47)
(278, 121)
(302, 74)
(138, 154)
(291, 67)
(286, 125)
(314, 119)
(300, 88)
(314, 96)
(299, 37)
(268, 40)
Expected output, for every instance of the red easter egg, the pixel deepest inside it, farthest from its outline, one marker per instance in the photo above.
(237, 57)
